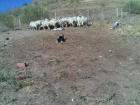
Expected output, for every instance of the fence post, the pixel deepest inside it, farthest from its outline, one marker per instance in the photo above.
(74, 11)
(117, 12)
(1, 29)
(121, 13)
(96, 13)
(19, 22)
(55, 15)
(73, 14)
(103, 15)
(129, 13)
(88, 14)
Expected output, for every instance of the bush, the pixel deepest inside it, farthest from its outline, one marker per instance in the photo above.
(7, 19)
(27, 13)
(51, 1)
(133, 6)
(33, 13)
(72, 1)
(15, 12)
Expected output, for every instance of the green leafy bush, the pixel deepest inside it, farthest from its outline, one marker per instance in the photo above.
(133, 7)
(33, 12)
(26, 13)
(72, 1)
(52, 1)
(15, 12)
(7, 20)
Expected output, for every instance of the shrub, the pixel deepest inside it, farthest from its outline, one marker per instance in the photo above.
(7, 20)
(51, 1)
(11, 81)
(72, 1)
(33, 12)
(133, 6)
(103, 3)
(15, 12)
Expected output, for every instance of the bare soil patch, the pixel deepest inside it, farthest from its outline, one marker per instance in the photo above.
(95, 66)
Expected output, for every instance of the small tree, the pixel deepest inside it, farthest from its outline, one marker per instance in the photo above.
(32, 13)
(133, 6)
(7, 20)
(72, 1)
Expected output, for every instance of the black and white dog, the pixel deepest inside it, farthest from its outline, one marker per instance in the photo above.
(114, 25)
(61, 38)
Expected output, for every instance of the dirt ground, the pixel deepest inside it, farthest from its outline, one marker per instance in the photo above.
(95, 66)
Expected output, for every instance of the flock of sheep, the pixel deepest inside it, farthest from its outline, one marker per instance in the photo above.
(60, 22)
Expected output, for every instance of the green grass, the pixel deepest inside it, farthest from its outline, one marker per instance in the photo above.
(84, 76)
(9, 78)
(93, 59)
(59, 60)
(137, 59)
(138, 30)
(132, 6)
(136, 101)
(81, 97)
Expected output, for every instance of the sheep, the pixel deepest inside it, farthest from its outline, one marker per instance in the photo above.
(44, 24)
(48, 23)
(52, 22)
(35, 24)
(63, 22)
(72, 21)
(82, 21)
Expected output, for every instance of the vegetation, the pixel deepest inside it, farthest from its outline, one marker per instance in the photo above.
(7, 20)
(51, 1)
(103, 3)
(81, 97)
(72, 1)
(33, 12)
(27, 13)
(10, 80)
(132, 7)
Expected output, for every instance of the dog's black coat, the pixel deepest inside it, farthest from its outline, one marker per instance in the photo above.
(61, 38)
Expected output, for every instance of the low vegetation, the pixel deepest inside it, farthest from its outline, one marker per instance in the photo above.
(40, 10)
(132, 6)
(7, 20)
(26, 14)
(72, 1)
(33, 12)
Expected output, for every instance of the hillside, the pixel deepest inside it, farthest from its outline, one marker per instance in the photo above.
(96, 10)
(94, 66)
(107, 11)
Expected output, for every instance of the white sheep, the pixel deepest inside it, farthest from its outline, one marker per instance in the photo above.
(35, 24)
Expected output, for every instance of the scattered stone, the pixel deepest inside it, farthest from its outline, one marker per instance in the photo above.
(130, 59)
(18, 29)
(7, 38)
(20, 77)
(42, 44)
(20, 65)
(100, 56)
(4, 45)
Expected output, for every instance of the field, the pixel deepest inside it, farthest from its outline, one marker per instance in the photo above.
(95, 66)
